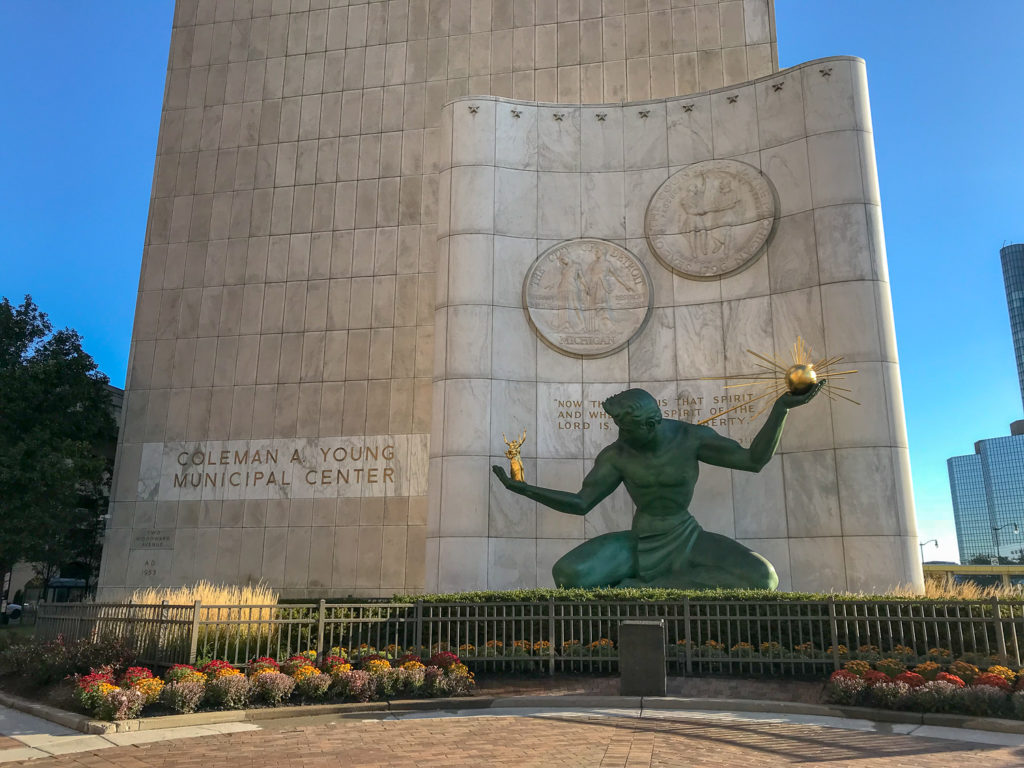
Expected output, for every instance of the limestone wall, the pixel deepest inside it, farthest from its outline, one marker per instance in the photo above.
(286, 299)
(833, 510)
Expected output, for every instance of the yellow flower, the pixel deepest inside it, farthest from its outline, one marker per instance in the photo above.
(150, 687)
(226, 672)
(467, 648)
(843, 650)
(412, 665)
(1004, 672)
(262, 671)
(337, 669)
(302, 673)
(377, 665)
(541, 645)
(459, 670)
(104, 688)
(495, 644)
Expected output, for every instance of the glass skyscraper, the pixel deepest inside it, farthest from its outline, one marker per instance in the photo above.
(1012, 257)
(988, 485)
(988, 493)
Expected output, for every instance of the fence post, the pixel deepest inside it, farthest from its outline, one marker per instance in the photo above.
(320, 630)
(551, 635)
(418, 627)
(687, 637)
(834, 629)
(161, 631)
(194, 639)
(1000, 632)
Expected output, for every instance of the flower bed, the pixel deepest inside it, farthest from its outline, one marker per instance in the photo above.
(957, 688)
(370, 676)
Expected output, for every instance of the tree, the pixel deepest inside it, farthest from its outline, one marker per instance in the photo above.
(57, 438)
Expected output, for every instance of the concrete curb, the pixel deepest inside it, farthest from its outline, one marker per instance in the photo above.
(86, 725)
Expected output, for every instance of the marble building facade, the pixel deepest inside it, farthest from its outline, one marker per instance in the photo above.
(330, 334)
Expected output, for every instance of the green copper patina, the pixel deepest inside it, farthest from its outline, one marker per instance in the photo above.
(657, 459)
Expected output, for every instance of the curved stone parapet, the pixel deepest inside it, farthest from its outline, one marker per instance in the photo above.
(834, 509)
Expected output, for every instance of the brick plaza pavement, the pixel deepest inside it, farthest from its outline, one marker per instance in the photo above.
(554, 739)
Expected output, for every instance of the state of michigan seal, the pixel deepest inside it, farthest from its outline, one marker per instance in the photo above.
(587, 297)
(711, 219)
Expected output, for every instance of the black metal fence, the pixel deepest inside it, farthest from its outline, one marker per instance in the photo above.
(806, 637)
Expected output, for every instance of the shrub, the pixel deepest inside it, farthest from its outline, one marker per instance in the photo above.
(229, 691)
(1017, 704)
(845, 688)
(120, 704)
(376, 666)
(431, 675)
(910, 678)
(41, 664)
(354, 685)
(891, 667)
(183, 696)
(990, 680)
(150, 688)
(90, 697)
(946, 677)
(1004, 672)
(902, 652)
(406, 658)
(928, 669)
(335, 661)
(409, 679)
(262, 664)
(314, 686)
(443, 659)
(963, 670)
(184, 673)
(218, 668)
(457, 680)
(294, 663)
(891, 695)
(273, 687)
(935, 696)
(985, 700)
(857, 667)
(132, 675)
(874, 677)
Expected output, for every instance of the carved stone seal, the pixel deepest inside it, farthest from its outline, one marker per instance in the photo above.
(587, 298)
(711, 219)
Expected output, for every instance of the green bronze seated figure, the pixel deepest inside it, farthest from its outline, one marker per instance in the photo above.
(657, 459)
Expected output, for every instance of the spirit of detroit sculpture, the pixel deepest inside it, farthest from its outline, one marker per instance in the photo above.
(657, 459)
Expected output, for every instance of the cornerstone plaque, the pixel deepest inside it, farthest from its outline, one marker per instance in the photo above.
(587, 297)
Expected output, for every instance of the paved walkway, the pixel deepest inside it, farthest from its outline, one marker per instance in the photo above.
(623, 738)
(25, 737)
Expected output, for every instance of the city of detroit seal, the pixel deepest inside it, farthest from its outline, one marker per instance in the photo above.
(711, 219)
(587, 297)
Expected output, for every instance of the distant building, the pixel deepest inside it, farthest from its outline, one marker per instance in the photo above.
(988, 494)
(988, 485)
(1012, 257)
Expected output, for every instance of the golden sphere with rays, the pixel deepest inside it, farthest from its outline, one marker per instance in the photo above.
(800, 378)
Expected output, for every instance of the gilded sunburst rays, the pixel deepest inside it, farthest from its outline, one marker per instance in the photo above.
(775, 378)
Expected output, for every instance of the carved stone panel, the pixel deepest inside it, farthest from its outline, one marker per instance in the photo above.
(587, 298)
(711, 219)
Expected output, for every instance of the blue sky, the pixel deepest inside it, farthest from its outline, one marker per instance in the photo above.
(81, 86)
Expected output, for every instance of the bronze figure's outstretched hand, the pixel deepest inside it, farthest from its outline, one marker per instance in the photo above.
(789, 400)
(502, 475)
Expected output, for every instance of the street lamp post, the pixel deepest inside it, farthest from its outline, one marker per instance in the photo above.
(995, 535)
(924, 544)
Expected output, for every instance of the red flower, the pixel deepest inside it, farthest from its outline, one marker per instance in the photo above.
(986, 678)
(946, 677)
(133, 674)
(910, 678)
(210, 667)
(873, 677)
(444, 659)
(85, 682)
